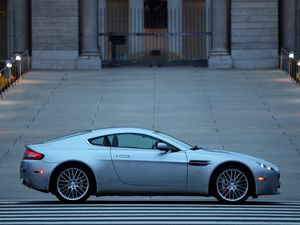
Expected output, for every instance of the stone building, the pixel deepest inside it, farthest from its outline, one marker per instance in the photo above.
(88, 34)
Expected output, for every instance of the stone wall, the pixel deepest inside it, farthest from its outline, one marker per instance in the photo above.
(54, 34)
(254, 33)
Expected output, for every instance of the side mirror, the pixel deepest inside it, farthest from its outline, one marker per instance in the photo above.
(165, 147)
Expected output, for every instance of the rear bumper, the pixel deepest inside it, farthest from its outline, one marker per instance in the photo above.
(30, 176)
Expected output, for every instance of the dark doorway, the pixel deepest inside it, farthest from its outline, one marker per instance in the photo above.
(155, 14)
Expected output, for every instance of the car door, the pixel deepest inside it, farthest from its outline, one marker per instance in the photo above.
(137, 161)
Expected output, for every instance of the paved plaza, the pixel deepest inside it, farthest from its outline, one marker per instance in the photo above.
(249, 111)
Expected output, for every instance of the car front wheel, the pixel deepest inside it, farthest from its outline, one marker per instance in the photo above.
(72, 184)
(232, 185)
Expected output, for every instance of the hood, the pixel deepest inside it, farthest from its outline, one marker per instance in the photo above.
(228, 155)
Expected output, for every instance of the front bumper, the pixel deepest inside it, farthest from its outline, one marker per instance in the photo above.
(269, 185)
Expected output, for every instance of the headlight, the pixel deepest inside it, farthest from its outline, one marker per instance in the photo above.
(265, 166)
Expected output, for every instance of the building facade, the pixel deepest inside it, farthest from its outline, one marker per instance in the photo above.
(89, 34)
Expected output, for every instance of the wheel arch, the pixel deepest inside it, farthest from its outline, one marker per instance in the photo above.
(73, 163)
(232, 163)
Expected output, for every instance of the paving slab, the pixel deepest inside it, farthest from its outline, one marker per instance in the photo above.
(255, 112)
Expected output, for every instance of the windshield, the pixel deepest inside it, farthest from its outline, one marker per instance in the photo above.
(175, 140)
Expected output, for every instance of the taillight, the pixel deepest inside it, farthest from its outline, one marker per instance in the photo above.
(32, 155)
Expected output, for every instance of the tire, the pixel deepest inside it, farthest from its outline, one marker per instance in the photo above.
(72, 184)
(232, 184)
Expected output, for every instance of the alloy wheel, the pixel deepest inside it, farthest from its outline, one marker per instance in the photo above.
(73, 184)
(232, 185)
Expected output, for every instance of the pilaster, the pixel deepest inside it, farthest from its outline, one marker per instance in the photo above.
(219, 54)
(136, 25)
(21, 25)
(89, 53)
(288, 24)
(175, 26)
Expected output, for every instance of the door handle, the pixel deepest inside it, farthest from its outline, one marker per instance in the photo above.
(123, 156)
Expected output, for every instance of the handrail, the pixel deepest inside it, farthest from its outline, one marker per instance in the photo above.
(290, 64)
(2, 70)
(20, 64)
(285, 51)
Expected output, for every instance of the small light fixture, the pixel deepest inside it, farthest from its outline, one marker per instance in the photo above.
(41, 172)
(291, 55)
(8, 65)
(18, 58)
(298, 63)
(261, 178)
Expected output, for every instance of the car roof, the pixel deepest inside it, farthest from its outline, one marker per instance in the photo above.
(114, 130)
(87, 134)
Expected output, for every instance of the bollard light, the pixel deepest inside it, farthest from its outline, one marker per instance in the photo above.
(298, 63)
(8, 65)
(18, 58)
(291, 55)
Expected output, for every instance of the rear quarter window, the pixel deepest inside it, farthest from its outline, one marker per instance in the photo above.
(100, 141)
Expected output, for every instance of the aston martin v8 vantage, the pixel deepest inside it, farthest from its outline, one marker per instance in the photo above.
(134, 161)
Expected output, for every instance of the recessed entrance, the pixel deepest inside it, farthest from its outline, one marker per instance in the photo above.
(153, 32)
(155, 22)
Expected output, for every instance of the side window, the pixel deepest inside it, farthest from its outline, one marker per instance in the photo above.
(102, 141)
(134, 141)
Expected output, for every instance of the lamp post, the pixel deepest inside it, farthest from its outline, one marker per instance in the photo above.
(298, 71)
(291, 55)
(292, 66)
(18, 59)
(8, 72)
(8, 65)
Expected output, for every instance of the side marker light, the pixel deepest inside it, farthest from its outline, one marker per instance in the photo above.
(40, 172)
(261, 178)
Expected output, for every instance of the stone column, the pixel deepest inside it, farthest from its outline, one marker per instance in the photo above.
(288, 24)
(89, 55)
(219, 55)
(175, 26)
(207, 26)
(9, 29)
(136, 25)
(21, 25)
(101, 27)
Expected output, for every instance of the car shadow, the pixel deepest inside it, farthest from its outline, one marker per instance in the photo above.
(150, 202)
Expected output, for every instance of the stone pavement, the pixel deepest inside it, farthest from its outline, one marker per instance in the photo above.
(254, 112)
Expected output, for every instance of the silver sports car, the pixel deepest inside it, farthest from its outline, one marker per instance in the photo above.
(134, 161)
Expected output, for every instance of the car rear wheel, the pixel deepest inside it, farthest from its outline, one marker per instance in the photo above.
(72, 184)
(232, 184)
